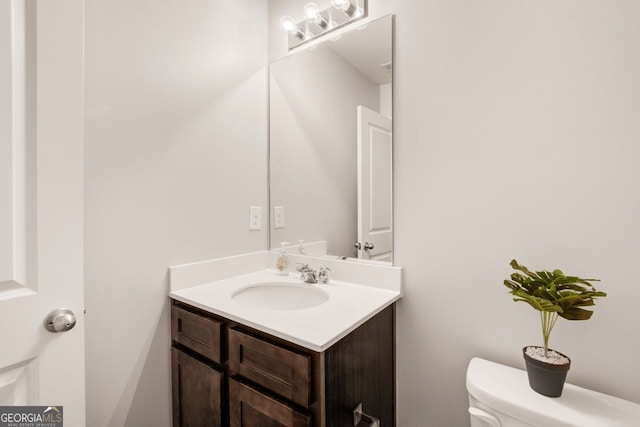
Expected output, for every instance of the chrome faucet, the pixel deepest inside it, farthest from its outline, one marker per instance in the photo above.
(307, 274)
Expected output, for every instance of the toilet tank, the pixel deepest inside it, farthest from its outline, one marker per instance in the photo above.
(500, 396)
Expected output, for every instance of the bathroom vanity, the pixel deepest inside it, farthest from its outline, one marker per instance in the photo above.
(227, 374)
(256, 362)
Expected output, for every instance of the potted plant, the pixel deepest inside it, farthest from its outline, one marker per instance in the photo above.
(554, 295)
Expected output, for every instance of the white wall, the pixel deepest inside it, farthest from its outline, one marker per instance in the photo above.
(516, 131)
(516, 128)
(176, 130)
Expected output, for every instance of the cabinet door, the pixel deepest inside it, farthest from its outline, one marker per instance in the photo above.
(250, 408)
(197, 392)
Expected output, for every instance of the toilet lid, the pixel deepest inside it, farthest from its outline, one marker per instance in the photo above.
(507, 390)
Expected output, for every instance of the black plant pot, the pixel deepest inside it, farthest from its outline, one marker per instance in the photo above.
(546, 378)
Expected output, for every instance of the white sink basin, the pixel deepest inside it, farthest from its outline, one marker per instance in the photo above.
(280, 296)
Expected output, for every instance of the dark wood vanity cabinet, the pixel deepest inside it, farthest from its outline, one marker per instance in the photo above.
(226, 374)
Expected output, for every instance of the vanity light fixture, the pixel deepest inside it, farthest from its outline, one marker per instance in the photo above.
(317, 22)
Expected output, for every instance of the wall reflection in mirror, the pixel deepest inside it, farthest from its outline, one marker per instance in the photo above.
(331, 145)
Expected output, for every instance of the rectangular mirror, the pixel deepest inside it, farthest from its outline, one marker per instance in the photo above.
(331, 145)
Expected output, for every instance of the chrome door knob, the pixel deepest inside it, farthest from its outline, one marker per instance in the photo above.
(60, 320)
(357, 245)
(368, 246)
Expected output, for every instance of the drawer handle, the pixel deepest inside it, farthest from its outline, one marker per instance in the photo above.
(358, 416)
(484, 416)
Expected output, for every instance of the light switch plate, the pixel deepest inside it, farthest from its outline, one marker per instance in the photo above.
(255, 218)
(278, 216)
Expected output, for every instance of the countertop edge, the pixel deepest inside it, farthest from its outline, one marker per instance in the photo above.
(395, 296)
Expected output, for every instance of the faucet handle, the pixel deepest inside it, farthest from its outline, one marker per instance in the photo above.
(323, 274)
(302, 267)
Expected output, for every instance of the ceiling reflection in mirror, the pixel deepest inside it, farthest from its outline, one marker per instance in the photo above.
(331, 146)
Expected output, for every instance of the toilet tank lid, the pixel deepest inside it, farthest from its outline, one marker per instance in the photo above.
(507, 390)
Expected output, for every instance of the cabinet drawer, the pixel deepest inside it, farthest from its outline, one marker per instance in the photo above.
(250, 408)
(197, 392)
(199, 333)
(279, 369)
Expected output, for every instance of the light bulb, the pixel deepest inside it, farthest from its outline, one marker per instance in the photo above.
(287, 23)
(345, 6)
(313, 16)
(311, 12)
(340, 4)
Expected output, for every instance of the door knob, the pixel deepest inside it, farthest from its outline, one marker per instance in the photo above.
(368, 246)
(60, 320)
(357, 245)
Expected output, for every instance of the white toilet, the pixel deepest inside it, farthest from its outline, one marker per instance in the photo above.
(500, 396)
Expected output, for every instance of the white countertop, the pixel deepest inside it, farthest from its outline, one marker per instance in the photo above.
(316, 328)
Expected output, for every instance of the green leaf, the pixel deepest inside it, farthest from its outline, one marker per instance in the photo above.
(540, 304)
(519, 267)
(575, 313)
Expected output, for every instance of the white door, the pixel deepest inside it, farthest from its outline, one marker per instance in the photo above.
(41, 135)
(375, 186)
